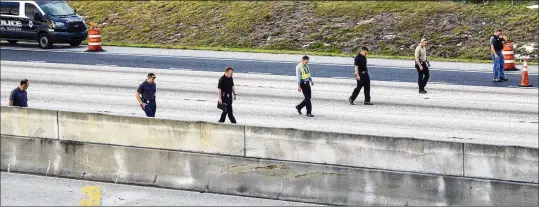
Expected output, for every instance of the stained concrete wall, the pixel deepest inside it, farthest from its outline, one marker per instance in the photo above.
(152, 133)
(254, 177)
(505, 163)
(411, 155)
(29, 122)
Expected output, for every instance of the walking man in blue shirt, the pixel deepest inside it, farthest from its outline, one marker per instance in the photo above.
(18, 96)
(146, 95)
(303, 74)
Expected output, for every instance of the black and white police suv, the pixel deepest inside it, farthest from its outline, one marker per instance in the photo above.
(44, 21)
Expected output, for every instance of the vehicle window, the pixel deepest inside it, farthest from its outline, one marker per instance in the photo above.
(9, 8)
(30, 10)
(56, 8)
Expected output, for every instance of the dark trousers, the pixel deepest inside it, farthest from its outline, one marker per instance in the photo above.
(150, 109)
(364, 81)
(228, 100)
(306, 89)
(422, 75)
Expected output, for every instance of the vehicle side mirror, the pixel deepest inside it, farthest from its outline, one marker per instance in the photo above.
(74, 10)
(38, 17)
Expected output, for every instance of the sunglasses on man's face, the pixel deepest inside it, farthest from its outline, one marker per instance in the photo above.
(153, 77)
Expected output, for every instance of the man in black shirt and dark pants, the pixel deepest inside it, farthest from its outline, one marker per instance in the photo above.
(146, 95)
(226, 92)
(362, 77)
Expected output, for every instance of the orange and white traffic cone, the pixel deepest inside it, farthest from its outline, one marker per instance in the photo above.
(94, 38)
(525, 81)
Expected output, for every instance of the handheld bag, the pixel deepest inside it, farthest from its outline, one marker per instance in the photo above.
(222, 106)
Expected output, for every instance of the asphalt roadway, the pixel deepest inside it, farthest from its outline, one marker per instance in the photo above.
(475, 114)
(32, 190)
(462, 105)
(382, 70)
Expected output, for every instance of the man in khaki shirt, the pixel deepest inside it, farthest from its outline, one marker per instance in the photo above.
(422, 65)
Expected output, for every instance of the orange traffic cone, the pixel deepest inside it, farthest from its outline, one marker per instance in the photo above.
(94, 38)
(525, 81)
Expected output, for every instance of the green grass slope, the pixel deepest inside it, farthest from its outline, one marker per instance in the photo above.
(389, 28)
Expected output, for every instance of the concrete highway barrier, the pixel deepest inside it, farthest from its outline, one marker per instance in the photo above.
(29, 122)
(236, 175)
(412, 155)
(152, 133)
(507, 163)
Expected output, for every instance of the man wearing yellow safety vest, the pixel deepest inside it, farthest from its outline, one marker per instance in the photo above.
(303, 74)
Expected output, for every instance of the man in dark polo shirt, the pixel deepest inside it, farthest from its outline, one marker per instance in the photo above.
(146, 95)
(362, 77)
(496, 47)
(226, 92)
(18, 96)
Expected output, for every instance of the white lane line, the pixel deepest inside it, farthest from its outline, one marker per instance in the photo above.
(258, 73)
(106, 65)
(181, 69)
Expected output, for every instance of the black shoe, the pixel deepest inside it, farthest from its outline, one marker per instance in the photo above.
(350, 101)
(422, 92)
(368, 103)
(504, 79)
(299, 110)
(310, 115)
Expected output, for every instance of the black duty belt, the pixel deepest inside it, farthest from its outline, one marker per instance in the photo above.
(363, 72)
(148, 101)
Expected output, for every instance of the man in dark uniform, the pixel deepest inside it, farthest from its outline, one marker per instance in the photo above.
(226, 92)
(146, 95)
(18, 96)
(362, 77)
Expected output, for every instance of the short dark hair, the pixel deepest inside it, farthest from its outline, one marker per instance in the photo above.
(24, 82)
(229, 68)
(499, 30)
(305, 57)
(150, 75)
(365, 48)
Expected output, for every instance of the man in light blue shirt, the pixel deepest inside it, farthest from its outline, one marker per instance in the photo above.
(303, 74)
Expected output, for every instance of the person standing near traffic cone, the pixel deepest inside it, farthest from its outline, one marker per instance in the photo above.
(496, 46)
(525, 81)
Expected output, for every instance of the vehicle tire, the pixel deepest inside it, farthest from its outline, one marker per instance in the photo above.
(75, 44)
(44, 41)
(13, 41)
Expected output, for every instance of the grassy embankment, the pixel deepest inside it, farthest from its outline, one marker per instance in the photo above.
(458, 32)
